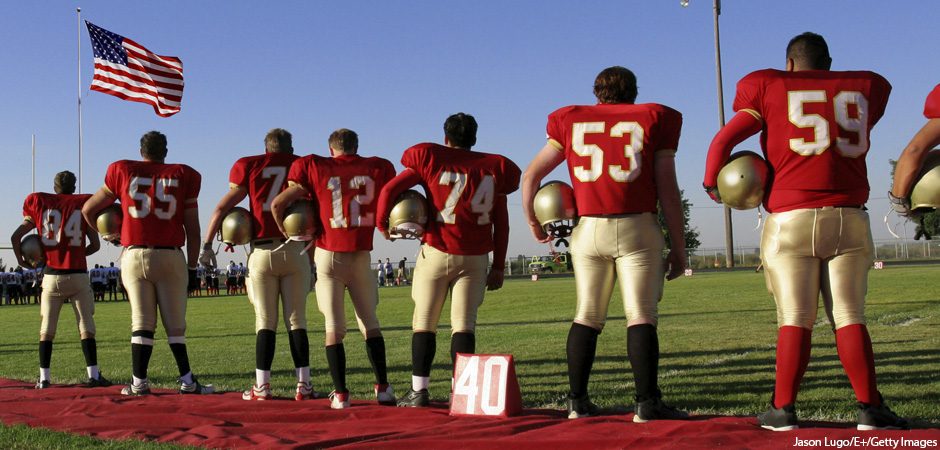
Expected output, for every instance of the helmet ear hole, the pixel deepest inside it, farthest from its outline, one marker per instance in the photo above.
(743, 180)
(237, 227)
(409, 216)
(926, 190)
(555, 208)
(31, 249)
(300, 220)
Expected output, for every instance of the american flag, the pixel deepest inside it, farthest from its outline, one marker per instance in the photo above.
(127, 70)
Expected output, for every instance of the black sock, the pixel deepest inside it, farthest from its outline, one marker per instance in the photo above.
(643, 350)
(336, 357)
(423, 347)
(462, 343)
(182, 358)
(45, 354)
(140, 354)
(581, 347)
(264, 349)
(299, 347)
(375, 350)
(90, 349)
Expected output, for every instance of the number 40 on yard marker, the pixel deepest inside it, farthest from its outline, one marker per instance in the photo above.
(485, 385)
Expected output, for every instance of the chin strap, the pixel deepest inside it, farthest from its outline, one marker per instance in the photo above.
(760, 219)
(890, 230)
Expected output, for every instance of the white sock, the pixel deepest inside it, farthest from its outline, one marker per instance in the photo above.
(92, 372)
(188, 378)
(44, 374)
(139, 381)
(419, 383)
(262, 377)
(303, 374)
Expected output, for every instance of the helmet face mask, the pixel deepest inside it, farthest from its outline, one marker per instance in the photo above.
(742, 181)
(299, 222)
(109, 221)
(31, 250)
(237, 228)
(409, 216)
(926, 190)
(555, 209)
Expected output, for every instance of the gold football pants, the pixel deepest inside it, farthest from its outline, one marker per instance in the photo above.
(56, 289)
(156, 278)
(279, 275)
(437, 272)
(337, 272)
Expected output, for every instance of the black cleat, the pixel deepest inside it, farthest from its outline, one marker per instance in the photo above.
(779, 419)
(415, 399)
(101, 381)
(655, 409)
(581, 407)
(195, 387)
(42, 384)
(879, 418)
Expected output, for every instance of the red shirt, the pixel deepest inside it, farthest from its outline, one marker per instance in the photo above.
(263, 176)
(153, 197)
(347, 191)
(58, 218)
(461, 186)
(610, 149)
(932, 106)
(815, 133)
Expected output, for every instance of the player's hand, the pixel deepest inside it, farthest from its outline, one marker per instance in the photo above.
(22, 262)
(539, 233)
(193, 283)
(712, 192)
(674, 264)
(387, 236)
(494, 279)
(207, 256)
(113, 238)
(902, 206)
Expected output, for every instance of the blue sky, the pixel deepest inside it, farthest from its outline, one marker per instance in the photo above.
(393, 71)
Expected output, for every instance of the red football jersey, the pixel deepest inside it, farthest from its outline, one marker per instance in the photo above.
(816, 126)
(932, 106)
(347, 191)
(610, 149)
(462, 186)
(264, 176)
(58, 218)
(153, 197)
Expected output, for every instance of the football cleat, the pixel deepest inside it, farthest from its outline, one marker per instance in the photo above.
(926, 190)
(258, 393)
(101, 381)
(779, 419)
(305, 391)
(409, 216)
(581, 407)
(237, 228)
(137, 391)
(879, 418)
(42, 384)
(555, 209)
(385, 395)
(195, 387)
(300, 220)
(655, 409)
(339, 400)
(415, 399)
(743, 180)
(31, 249)
(109, 221)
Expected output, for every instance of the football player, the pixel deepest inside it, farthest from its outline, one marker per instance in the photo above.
(911, 161)
(348, 183)
(621, 159)
(160, 215)
(814, 126)
(58, 219)
(467, 191)
(280, 274)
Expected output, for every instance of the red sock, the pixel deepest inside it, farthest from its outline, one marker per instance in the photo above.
(793, 349)
(858, 359)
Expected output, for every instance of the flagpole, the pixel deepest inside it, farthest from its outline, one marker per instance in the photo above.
(79, 100)
(34, 163)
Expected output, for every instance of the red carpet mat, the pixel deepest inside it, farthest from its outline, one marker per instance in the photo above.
(227, 421)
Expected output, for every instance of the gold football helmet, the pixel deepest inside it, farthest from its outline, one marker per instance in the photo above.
(742, 181)
(109, 221)
(926, 191)
(300, 220)
(31, 250)
(409, 216)
(237, 228)
(555, 209)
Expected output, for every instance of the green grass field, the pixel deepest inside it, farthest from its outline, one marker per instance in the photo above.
(717, 337)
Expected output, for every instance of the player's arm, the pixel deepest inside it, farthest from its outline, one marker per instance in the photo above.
(667, 190)
(94, 244)
(406, 179)
(100, 200)
(231, 198)
(494, 279)
(16, 239)
(282, 201)
(743, 125)
(546, 161)
(191, 225)
(911, 161)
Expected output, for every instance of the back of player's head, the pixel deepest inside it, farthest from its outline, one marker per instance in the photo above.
(278, 140)
(344, 141)
(461, 130)
(153, 145)
(615, 85)
(65, 182)
(809, 51)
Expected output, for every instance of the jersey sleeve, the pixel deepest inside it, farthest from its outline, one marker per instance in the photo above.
(299, 175)
(880, 91)
(31, 208)
(748, 94)
(238, 176)
(112, 179)
(668, 132)
(511, 176)
(932, 105)
(193, 186)
(414, 158)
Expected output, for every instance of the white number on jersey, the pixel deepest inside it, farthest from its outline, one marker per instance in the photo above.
(146, 203)
(364, 182)
(53, 229)
(822, 137)
(632, 151)
(481, 203)
(278, 173)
